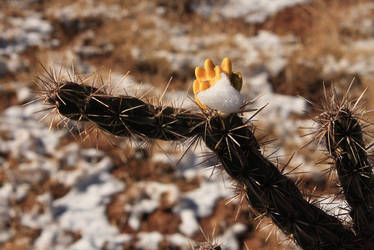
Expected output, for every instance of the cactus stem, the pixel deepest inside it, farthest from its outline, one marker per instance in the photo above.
(268, 190)
(341, 126)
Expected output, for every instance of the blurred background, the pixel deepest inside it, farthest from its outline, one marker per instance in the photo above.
(62, 190)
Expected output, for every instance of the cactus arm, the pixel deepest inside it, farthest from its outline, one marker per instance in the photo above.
(270, 192)
(125, 115)
(344, 141)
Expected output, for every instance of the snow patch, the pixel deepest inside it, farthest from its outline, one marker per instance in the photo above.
(82, 210)
(149, 194)
(200, 203)
(25, 32)
(253, 11)
(222, 96)
(189, 224)
(178, 240)
(335, 207)
(229, 238)
(149, 240)
(266, 49)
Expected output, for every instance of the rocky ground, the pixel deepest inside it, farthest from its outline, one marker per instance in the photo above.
(60, 189)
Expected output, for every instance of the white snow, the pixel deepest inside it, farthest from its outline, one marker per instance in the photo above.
(149, 194)
(82, 209)
(222, 96)
(70, 13)
(179, 240)
(276, 114)
(267, 49)
(7, 213)
(190, 224)
(229, 239)
(30, 134)
(26, 31)
(203, 203)
(253, 11)
(149, 240)
(200, 203)
(335, 207)
(359, 59)
(187, 165)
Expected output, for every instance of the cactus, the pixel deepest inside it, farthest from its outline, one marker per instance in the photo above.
(341, 127)
(268, 191)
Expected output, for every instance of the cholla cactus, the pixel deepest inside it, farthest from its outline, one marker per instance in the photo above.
(268, 191)
(341, 127)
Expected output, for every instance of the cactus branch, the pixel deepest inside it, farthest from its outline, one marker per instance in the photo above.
(270, 192)
(124, 115)
(267, 190)
(341, 129)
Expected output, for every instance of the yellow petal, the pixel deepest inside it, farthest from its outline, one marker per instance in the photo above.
(209, 68)
(203, 86)
(200, 74)
(226, 66)
(195, 86)
(218, 71)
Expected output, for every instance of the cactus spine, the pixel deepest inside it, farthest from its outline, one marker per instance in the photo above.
(268, 191)
(271, 193)
(124, 115)
(340, 126)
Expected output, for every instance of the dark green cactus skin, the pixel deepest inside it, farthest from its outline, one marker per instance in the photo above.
(268, 191)
(345, 144)
(125, 115)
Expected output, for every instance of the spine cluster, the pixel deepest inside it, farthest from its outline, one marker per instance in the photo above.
(271, 193)
(268, 191)
(345, 144)
(124, 115)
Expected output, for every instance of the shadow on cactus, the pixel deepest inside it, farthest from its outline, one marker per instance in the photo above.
(219, 124)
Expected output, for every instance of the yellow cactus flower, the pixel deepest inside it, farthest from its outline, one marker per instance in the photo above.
(208, 76)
